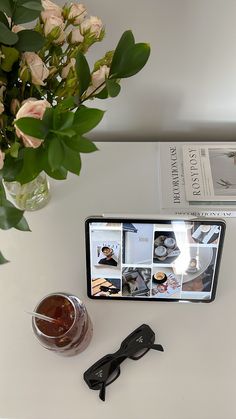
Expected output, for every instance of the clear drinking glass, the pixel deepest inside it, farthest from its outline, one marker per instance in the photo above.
(72, 330)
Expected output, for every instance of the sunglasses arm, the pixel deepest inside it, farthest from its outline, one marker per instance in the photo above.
(156, 346)
(102, 392)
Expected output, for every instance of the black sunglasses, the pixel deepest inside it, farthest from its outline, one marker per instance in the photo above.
(107, 369)
(109, 289)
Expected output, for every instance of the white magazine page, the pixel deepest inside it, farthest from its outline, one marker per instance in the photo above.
(210, 172)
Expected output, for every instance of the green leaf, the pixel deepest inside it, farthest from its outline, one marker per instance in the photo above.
(11, 55)
(9, 215)
(67, 103)
(66, 120)
(63, 123)
(67, 132)
(12, 167)
(55, 154)
(86, 119)
(6, 6)
(24, 15)
(73, 143)
(2, 189)
(86, 146)
(83, 72)
(126, 41)
(3, 19)
(2, 259)
(80, 144)
(113, 88)
(60, 174)
(29, 40)
(48, 118)
(23, 225)
(22, 2)
(14, 150)
(33, 5)
(63, 120)
(32, 164)
(133, 60)
(72, 161)
(33, 127)
(103, 94)
(7, 37)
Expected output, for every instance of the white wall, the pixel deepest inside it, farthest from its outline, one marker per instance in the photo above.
(188, 88)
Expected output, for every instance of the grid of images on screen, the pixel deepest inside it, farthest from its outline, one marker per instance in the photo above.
(171, 261)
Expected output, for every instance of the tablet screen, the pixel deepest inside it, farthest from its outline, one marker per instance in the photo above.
(172, 260)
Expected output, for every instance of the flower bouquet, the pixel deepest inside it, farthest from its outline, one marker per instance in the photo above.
(45, 80)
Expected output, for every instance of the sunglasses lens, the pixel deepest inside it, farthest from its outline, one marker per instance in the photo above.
(140, 352)
(113, 376)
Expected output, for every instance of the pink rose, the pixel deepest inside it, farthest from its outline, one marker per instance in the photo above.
(38, 69)
(30, 99)
(66, 69)
(2, 157)
(17, 28)
(75, 36)
(54, 27)
(32, 109)
(50, 10)
(98, 77)
(93, 25)
(77, 13)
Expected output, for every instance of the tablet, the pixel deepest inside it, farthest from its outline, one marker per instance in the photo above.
(153, 260)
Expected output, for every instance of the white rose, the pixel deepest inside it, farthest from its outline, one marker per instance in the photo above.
(54, 26)
(98, 77)
(33, 109)
(1, 108)
(39, 71)
(66, 69)
(93, 25)
(75, 36)
(2, 157)
(77, 13)
(50, 10)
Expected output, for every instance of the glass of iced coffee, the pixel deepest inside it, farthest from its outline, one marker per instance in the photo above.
(70, 330)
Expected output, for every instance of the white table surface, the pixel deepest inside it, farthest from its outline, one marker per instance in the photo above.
(193, 379)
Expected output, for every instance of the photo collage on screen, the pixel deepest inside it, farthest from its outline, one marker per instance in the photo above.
(174, 260)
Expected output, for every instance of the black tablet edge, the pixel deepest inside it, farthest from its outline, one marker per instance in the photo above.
(94, 219)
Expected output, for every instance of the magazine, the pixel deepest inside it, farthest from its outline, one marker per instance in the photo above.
(175, 187)
(210, 172)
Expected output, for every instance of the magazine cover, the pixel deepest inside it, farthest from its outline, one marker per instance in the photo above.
(210, 172)
(172, 183)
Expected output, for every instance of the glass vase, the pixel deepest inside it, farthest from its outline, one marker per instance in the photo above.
(32, 195)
